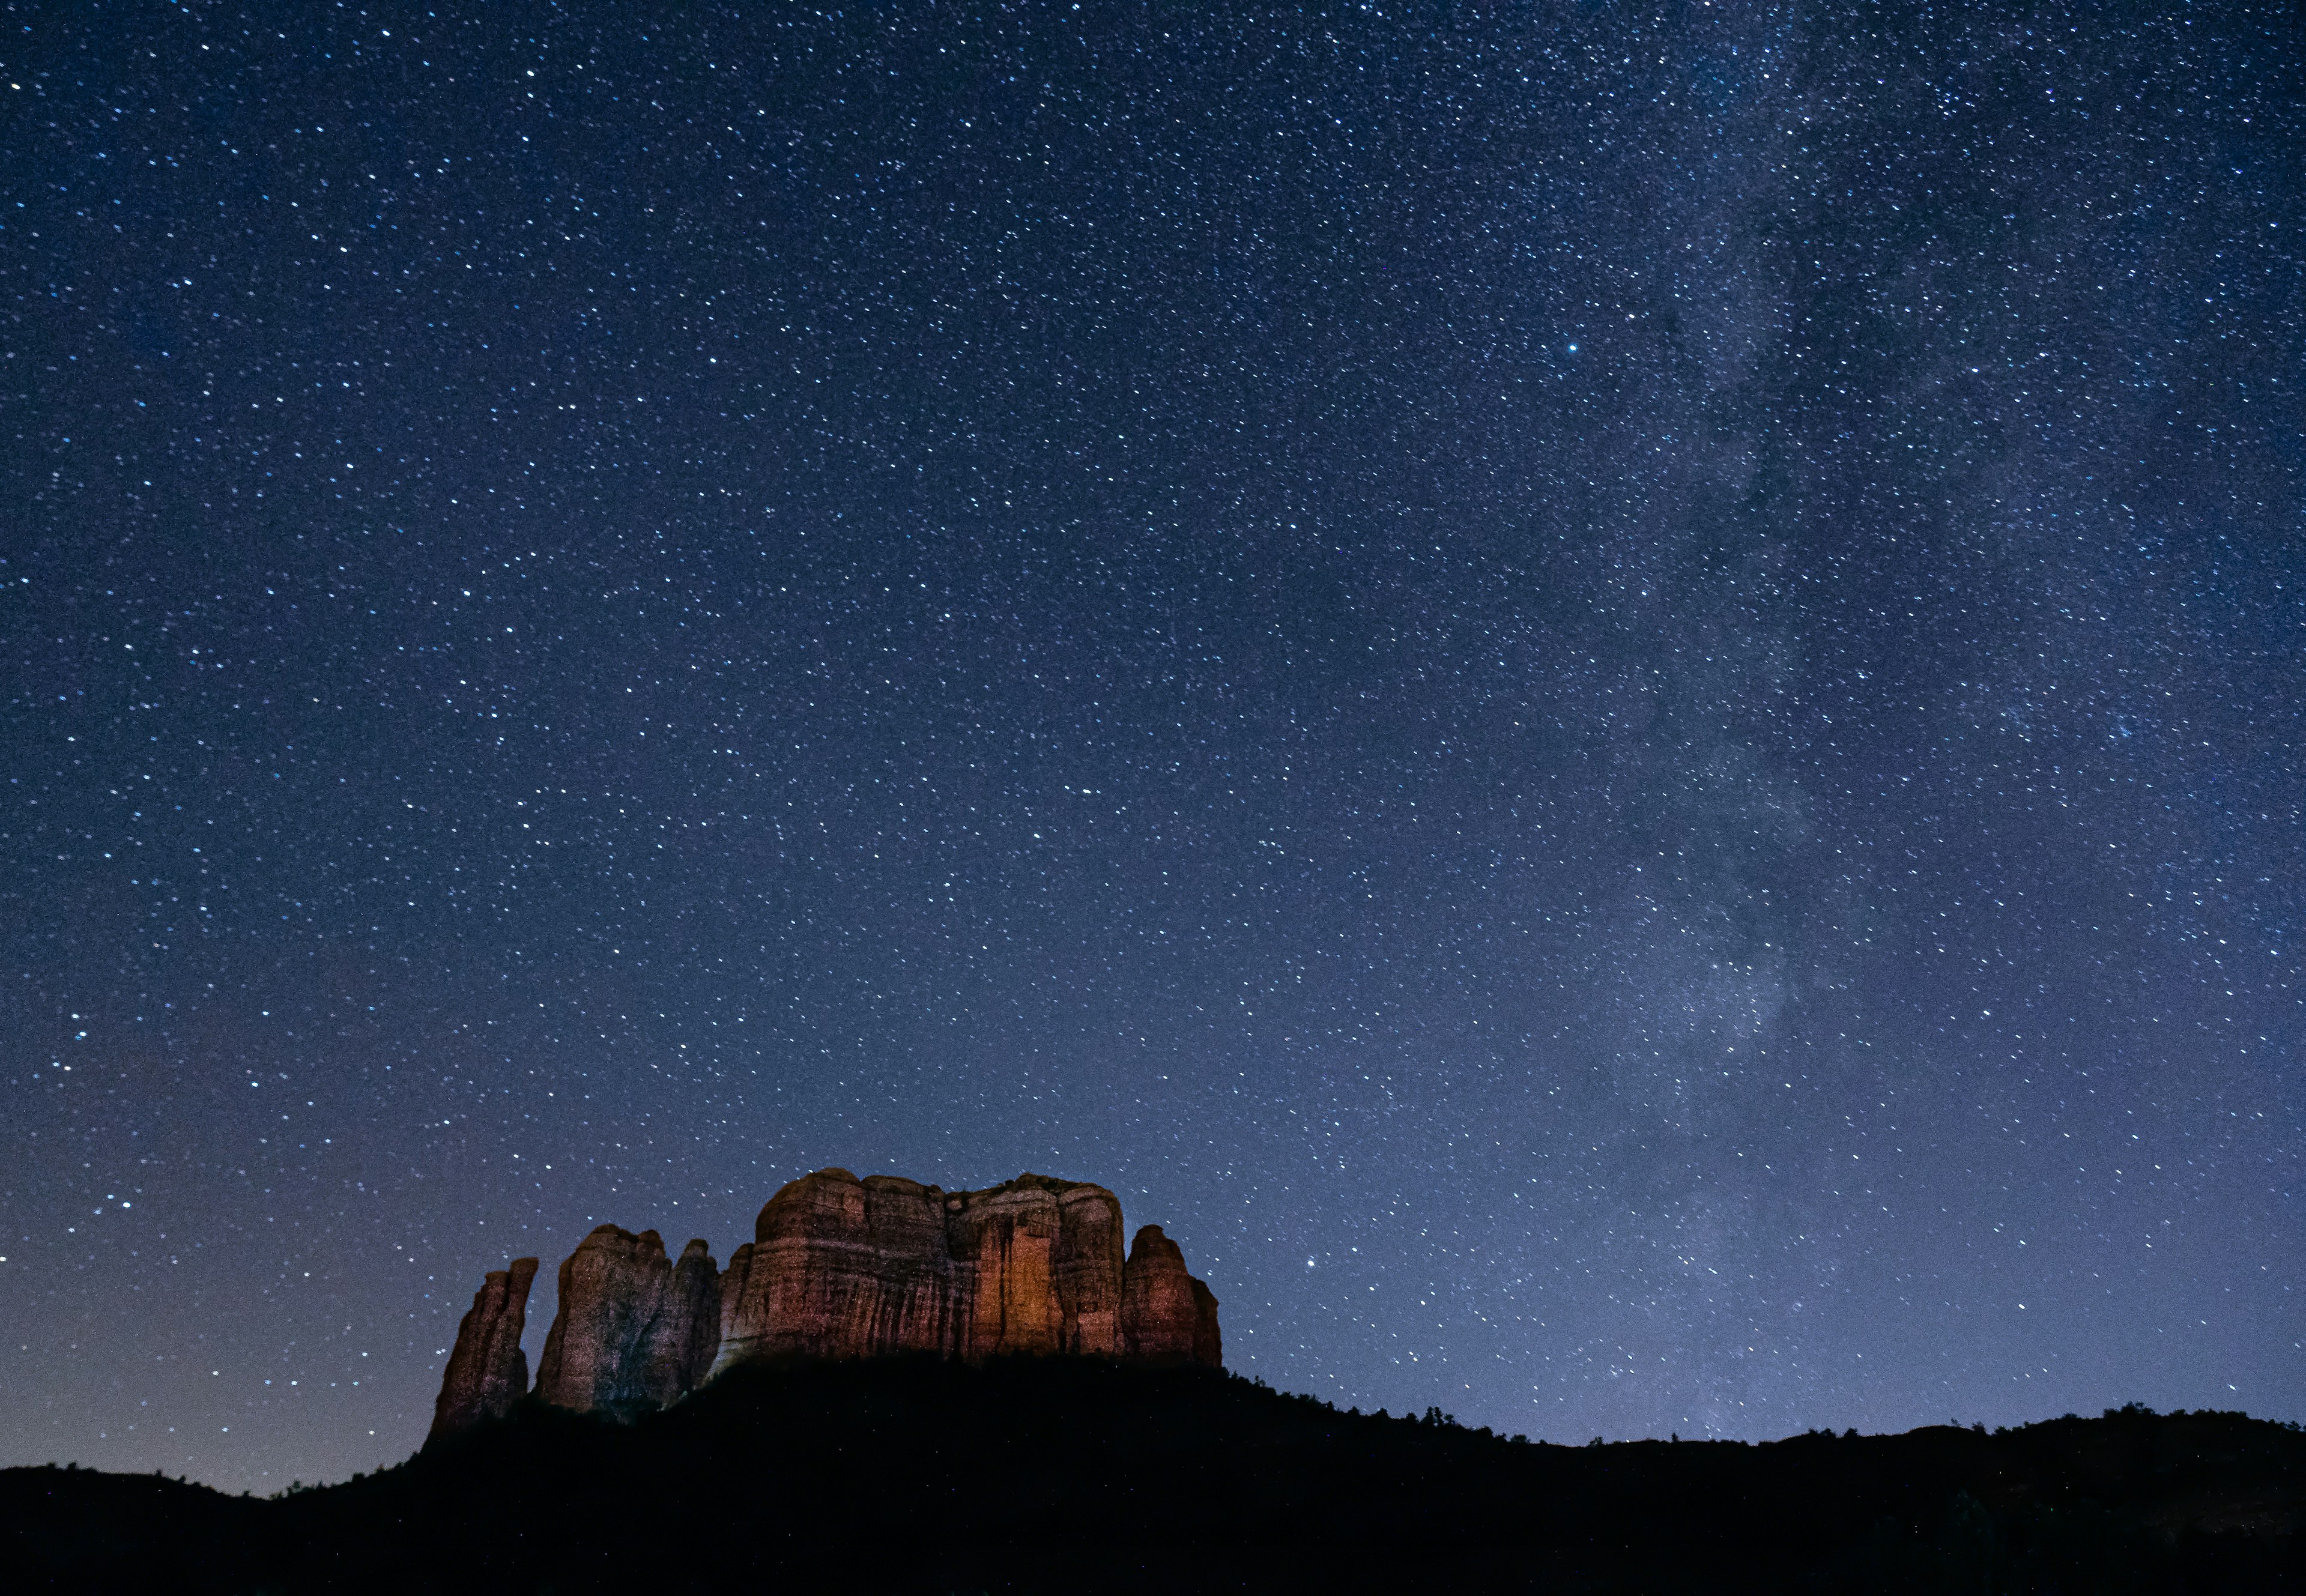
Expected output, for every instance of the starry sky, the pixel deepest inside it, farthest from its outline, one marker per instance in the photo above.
(1608, 697)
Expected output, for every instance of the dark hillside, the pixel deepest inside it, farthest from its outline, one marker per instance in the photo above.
(1064, 1475)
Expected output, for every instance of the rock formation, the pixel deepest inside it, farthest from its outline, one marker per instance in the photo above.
(487, 1371)
(633, 1331)
(687, 1334)
(1166, 1316)
(839, 1267)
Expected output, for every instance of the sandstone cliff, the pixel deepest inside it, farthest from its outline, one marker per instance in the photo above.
(841, 1267)
(487, 1370)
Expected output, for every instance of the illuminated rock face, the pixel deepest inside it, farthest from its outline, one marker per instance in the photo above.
(839, 1267)
(487, 1372)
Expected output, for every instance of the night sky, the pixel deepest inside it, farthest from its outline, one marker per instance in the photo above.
(1611, 699)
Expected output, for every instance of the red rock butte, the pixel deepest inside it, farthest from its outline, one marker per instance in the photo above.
(837, 1267)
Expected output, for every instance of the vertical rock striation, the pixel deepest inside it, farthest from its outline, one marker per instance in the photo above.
(633, 1332)
(487, 1370)
(843, 1267)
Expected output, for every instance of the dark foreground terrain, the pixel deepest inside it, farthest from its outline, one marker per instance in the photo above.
(1074, 1476)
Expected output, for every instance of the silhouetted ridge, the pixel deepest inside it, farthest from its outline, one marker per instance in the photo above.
(1065, 1475)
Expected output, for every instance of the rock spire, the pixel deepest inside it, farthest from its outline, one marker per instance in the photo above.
(487, 1372)
(1166, 1316)
(633, 1331)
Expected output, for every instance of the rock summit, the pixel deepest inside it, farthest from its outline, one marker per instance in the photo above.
(837, 1267)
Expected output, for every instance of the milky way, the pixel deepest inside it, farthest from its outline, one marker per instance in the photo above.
(1611, 700)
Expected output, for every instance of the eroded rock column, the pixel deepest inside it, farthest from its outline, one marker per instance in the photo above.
(487, 1370)
(1166, 1316)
